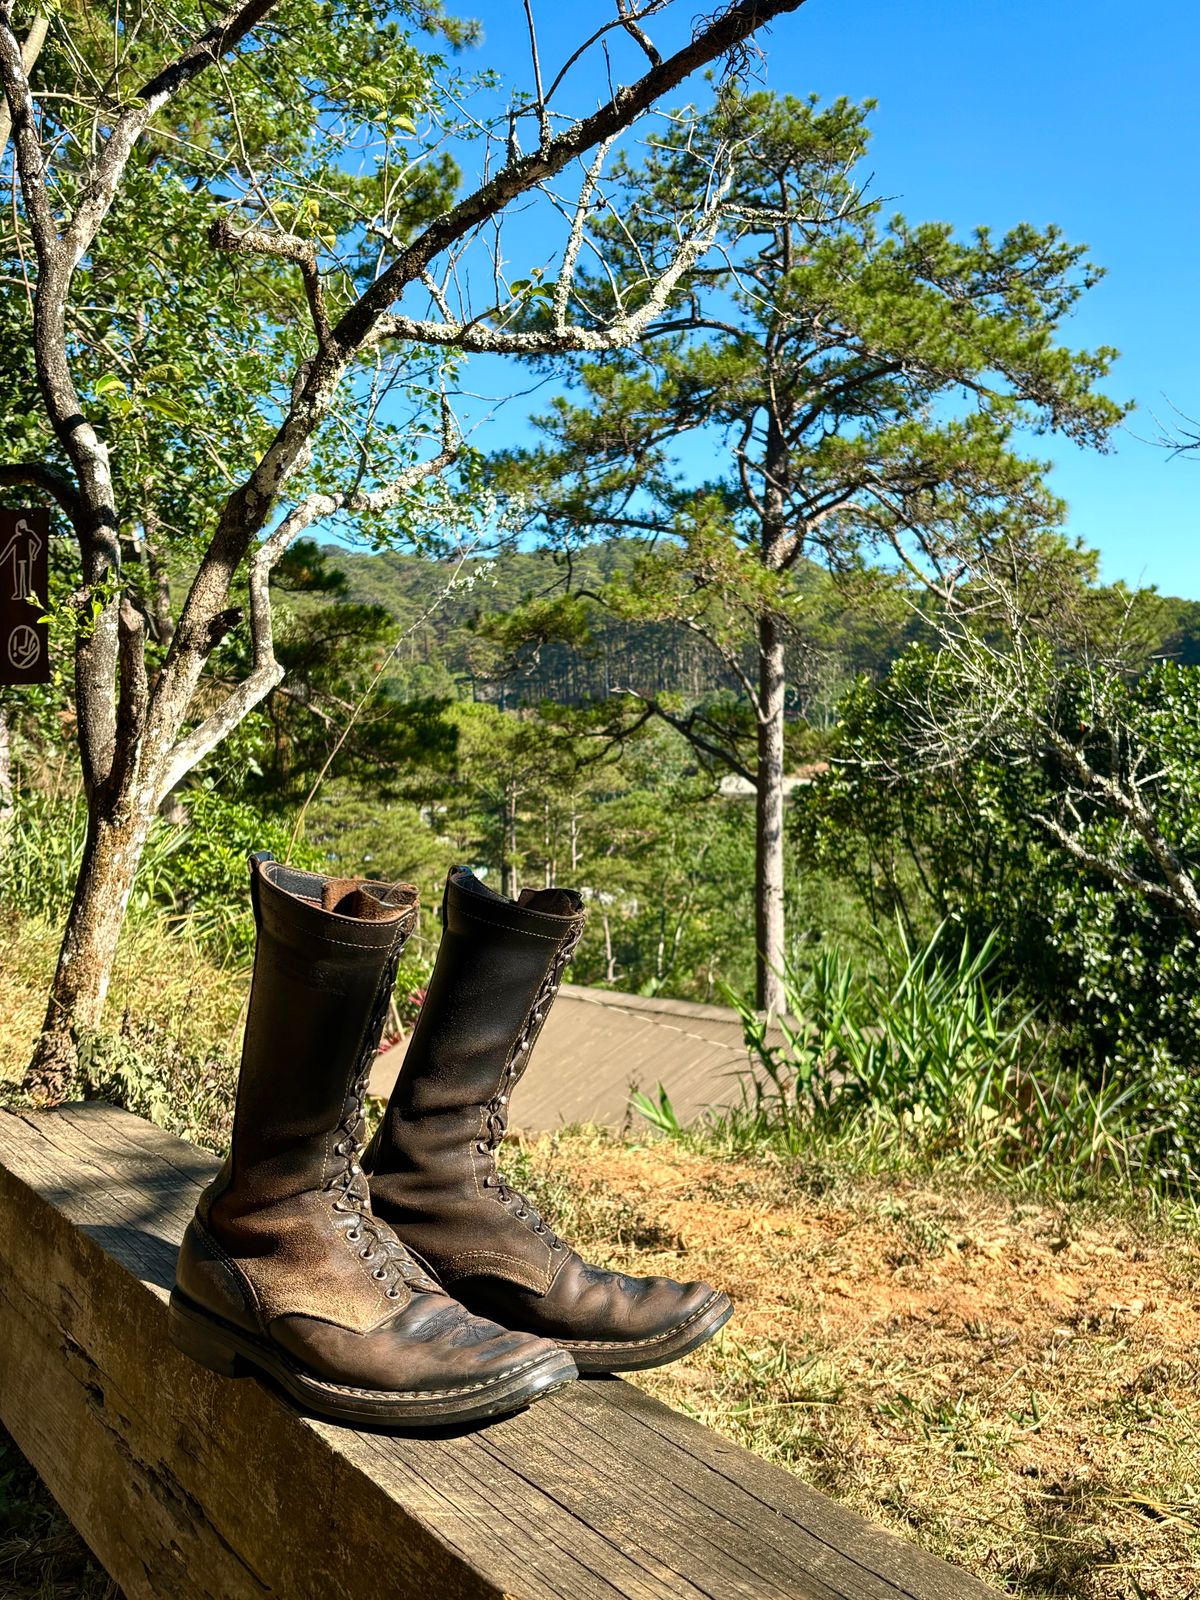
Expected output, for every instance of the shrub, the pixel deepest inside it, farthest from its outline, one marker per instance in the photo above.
(925, 1057)
(194, 871)
(1114, 977)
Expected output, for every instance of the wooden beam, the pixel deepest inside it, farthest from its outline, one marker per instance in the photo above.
(195, 1487)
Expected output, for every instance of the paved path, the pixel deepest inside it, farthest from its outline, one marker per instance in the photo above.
(598, 1046)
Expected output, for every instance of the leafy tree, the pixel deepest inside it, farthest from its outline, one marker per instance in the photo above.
(219, 219)
(1095, 935)
(832, 385)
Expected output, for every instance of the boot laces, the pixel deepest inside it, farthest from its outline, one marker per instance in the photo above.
(390, 1261)
(496, 1111)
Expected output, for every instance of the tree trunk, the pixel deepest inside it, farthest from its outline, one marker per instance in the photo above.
(508, 843)
(6, 779)
(111, 855)
(768, 830)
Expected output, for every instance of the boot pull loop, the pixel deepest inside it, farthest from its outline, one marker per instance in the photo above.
(256, 860)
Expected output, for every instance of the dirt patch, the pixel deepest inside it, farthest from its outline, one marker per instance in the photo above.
(1014, 1386)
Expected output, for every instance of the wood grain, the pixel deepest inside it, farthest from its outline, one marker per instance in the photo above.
(192, 1486)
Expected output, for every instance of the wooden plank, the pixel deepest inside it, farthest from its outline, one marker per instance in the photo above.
(597, 1045)
(189, 1485)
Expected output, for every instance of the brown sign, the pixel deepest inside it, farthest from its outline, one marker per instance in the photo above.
(24, 582)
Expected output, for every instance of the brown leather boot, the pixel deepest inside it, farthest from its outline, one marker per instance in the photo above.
(284, 1269)
(432, 1164)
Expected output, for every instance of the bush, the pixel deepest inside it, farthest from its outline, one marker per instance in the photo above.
(193, 872)
(925, 1058)
(1115, 979)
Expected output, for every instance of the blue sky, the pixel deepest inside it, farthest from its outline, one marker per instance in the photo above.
(1086, 115)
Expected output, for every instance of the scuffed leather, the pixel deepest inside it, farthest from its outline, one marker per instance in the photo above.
(586, 1302)
(430, 1159)
(433, 1344)
(208, 1277)
(430, 1174)
(284, 1245)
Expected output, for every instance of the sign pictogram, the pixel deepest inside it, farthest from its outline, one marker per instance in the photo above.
(24, 580)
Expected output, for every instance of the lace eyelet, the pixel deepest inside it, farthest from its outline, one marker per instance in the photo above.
(380, 1273)
(393, 1294)
(354, 1235)
(482, 1148)
(366, 1254)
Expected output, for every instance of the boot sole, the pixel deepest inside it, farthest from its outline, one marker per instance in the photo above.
(628, 1355)
(231, 1353)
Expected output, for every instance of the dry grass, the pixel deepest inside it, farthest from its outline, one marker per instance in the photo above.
(41, 1555)
(1015, 1388)
(173, 1020)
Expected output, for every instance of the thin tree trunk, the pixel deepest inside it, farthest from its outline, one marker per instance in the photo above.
(514, 887)
(508, 842)
(768, 829)
(111, 855)
(30, 51)
(6, 778)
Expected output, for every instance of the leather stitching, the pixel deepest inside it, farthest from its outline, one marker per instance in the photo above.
(416, 1394)
(456, 1266)
(222, 1255)
(512, 927)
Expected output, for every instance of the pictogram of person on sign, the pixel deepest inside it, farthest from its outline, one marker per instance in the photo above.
(21, 552)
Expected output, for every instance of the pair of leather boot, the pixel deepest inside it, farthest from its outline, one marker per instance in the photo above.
(409, 1284)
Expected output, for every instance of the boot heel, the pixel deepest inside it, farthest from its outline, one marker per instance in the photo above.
(202, 1342)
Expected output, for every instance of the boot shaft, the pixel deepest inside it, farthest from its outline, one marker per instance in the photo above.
(325, 961)
(498, 968)
(432, 1163)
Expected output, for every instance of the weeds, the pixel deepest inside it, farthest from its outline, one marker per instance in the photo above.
(922, 1065)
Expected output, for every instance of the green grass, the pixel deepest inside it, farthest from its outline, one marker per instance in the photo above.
(923, 1065)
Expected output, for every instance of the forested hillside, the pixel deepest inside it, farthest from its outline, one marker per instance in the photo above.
(447, 613)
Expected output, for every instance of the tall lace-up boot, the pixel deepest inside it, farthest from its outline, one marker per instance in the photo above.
(432, 1164)
(284, 1268)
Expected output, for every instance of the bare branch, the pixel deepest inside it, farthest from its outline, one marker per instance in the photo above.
(266, 672)
(101, 183)
(689, 727)
(636, 33)
(562, 292)
(51, 480)
(717, 38)
(1117, 872)
(30, 50)
(539, 99)
(477, 337)
(284, 247)
(30, 160)
(1129, 804)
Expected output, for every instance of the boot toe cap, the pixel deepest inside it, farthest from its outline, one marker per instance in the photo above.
(431, 1345)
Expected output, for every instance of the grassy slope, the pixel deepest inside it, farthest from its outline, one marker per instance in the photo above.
(1013, 1384)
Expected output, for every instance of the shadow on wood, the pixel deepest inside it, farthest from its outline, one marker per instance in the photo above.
(195, 1487)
